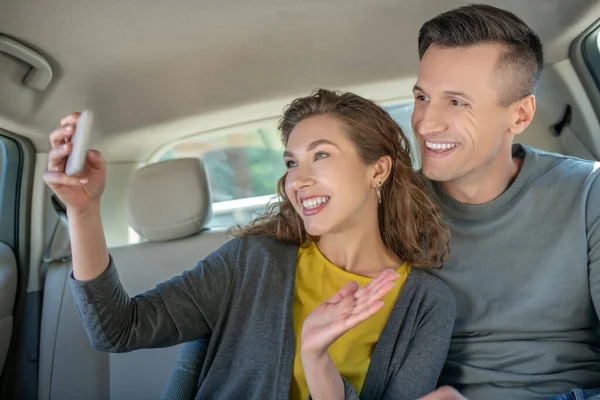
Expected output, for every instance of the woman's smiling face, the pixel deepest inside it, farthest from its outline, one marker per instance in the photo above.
(327, 182)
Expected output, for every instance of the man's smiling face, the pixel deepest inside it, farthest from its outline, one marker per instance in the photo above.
(459, 119)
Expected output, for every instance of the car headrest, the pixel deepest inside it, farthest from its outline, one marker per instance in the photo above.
(169, 200)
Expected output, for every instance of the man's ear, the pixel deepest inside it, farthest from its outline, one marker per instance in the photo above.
(381, 170)
(524, 110)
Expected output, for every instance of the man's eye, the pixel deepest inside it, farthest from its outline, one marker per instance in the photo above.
(458, 103)
(421, 97)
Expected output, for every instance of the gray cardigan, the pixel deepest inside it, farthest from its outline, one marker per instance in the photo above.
(241, 296)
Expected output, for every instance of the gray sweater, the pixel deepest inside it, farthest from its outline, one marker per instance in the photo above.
(525, 270)
(242, 295)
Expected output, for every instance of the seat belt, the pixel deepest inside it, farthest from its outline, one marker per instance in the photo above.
(59, 246)
(58, 251)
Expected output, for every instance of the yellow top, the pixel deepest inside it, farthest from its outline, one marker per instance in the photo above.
(317, 280)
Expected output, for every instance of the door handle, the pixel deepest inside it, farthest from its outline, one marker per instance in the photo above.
(41, 73)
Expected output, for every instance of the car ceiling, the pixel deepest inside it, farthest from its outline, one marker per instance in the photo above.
(139, 64)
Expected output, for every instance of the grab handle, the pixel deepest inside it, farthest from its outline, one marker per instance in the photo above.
(41, 73)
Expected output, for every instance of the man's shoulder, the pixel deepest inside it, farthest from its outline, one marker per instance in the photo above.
(560, 164)
(556, 173)
(565, 176)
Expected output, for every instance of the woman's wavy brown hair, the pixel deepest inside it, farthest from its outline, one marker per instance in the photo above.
(410, 224)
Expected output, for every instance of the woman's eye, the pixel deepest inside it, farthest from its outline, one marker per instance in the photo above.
(290, 164)
(320, 154)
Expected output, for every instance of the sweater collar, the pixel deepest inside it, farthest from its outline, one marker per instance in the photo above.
(455, 208)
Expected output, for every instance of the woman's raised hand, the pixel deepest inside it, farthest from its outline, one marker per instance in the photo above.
(79, 192)
(345, 310)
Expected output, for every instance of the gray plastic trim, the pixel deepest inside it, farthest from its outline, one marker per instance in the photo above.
(584, 55)
(41, 74)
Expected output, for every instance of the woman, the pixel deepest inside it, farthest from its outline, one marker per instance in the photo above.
(285, 302)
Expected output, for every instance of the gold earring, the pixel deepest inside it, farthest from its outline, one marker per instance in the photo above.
(378, 192)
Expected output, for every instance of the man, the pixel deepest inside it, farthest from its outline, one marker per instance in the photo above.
(525, 264)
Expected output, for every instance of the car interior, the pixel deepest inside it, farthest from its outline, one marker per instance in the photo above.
(187, 96)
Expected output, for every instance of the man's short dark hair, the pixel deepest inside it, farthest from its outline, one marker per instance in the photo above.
(479, 24)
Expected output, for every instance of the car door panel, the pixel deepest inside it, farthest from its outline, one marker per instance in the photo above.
(8, 289)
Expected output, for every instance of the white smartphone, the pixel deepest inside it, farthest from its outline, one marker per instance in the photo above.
(81, 144)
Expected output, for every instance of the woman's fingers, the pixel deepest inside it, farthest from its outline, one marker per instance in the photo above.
(376, 291)
(95, 160)
(62, 135)
(373, 298)
(444, 393)
(385, 276)
(344, 292)
(59, 178)
(57, 157)
(71, 118)
(382, 279)
(365, 313)
(369, 301)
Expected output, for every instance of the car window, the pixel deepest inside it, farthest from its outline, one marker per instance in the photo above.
(10, 174)
(241, 164)
(245, 164)
(401, 113)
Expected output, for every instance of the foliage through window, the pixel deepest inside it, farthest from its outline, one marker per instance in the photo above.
(244, 166)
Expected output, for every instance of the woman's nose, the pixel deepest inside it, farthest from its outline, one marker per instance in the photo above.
(302, 178)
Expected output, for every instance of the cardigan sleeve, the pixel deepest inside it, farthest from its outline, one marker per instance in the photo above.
(183, 308)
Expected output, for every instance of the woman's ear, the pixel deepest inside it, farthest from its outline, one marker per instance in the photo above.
(381, 170)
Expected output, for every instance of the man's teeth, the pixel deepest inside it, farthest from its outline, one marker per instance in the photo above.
(440, 146)
(314, 202)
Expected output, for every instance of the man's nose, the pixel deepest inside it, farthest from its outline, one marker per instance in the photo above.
(432, 121)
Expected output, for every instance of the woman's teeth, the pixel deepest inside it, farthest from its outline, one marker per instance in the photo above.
(314, 202)
(440, 146)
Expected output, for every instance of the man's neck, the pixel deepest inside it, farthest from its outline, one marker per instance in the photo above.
(485, 185)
